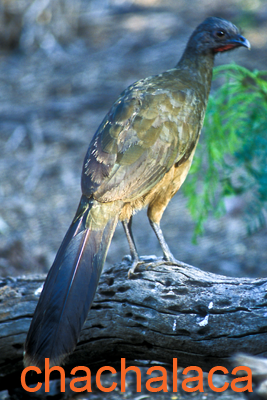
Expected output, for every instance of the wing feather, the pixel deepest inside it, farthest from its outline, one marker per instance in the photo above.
(141, 137)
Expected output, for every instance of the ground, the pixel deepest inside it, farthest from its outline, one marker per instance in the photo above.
(63, 64)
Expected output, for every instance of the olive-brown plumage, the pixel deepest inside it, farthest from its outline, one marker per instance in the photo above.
(139, 156)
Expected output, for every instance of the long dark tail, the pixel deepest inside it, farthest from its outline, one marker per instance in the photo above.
(69, 290)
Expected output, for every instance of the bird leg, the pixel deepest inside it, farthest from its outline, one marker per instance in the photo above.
(136, 260)
(127, 225)
(168, 256)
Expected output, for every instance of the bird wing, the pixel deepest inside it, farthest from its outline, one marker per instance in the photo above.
(154, 124)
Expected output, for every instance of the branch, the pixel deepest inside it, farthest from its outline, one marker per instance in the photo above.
(166, 311)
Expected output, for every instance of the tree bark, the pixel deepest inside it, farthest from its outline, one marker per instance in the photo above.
(165, 311)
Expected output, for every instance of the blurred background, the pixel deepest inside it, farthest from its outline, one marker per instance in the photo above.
(62, 65)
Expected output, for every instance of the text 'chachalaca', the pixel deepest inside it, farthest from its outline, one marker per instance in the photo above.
(139, 156)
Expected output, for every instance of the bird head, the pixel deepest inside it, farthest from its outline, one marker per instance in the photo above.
(216, 35)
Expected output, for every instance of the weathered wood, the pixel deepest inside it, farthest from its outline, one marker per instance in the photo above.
(165, 311)
(258, 368)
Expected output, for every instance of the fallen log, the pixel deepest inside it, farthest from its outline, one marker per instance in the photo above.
(165, 311)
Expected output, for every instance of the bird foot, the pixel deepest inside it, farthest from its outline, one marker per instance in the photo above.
(149, 261)
(170, 260)
(137, 262)
(134, 262)
(134, 267)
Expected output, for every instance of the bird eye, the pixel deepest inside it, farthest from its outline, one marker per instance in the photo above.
(220, 34)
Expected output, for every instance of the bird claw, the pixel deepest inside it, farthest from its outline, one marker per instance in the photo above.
(137, 262)
(149, 261)
(170, 260)
(135, 265)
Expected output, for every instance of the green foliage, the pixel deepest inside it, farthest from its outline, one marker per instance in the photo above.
(231, 158)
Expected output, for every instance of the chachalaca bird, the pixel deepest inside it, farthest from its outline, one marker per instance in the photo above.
(139, 156)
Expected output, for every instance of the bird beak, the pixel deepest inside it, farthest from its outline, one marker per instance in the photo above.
(232, 43)
(241, 41)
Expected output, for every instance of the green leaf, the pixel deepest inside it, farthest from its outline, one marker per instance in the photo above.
(231, 156)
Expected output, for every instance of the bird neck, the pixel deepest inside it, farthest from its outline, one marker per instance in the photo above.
(199, 66)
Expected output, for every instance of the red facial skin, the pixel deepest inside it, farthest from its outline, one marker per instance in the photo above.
(224, 48)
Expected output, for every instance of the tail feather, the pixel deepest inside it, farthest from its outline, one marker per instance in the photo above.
(68, 291)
